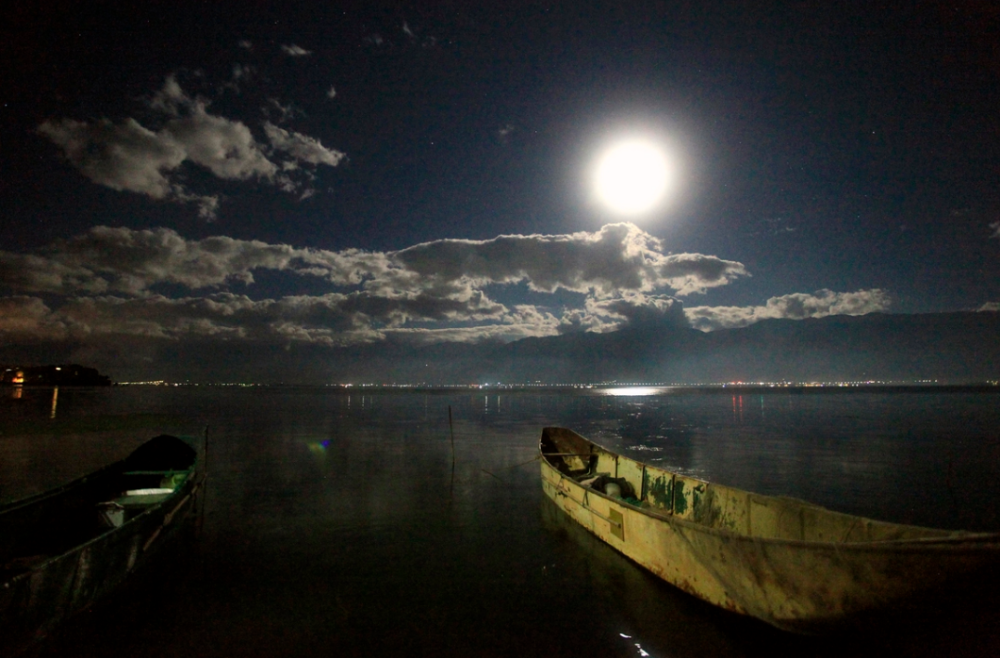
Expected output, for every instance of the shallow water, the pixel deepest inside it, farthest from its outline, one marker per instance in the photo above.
(347, 524)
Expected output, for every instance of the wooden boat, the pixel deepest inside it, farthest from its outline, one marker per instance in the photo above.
(797, 566)
(62, 550)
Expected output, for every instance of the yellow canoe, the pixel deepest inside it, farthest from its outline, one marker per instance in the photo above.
(795, 565)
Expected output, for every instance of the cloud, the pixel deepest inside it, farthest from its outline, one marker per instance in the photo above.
(295, 51)
(247, 45)
(617, 257)
(332, 319)
(242, 72)
(112, 279)
(28, 319)
(996, 229)
(281, 112)
(637, 309)
(989, 306)
(331, 92)
(128, 261)
(522, 322)
(691, 273)
(127, 156)
(301, 148)
(504, 133)
(796, 306)
(122, 157)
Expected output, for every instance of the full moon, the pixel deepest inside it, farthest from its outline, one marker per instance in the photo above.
(632, 177)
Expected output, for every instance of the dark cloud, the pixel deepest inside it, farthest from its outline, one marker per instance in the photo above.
(796, 306)
(642, 310)
(28, 319)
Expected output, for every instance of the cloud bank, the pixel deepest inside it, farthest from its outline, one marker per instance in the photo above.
(111, 282)
(127, 156)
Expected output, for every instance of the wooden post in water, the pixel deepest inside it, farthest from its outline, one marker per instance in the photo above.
(451, 426)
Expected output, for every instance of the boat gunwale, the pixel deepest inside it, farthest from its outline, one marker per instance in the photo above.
(975, 540)
(191, 484)
(27, 501)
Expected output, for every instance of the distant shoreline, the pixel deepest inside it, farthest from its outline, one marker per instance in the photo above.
(70, 374)
(620, 390)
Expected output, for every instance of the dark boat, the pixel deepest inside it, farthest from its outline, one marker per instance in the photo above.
(62, 550)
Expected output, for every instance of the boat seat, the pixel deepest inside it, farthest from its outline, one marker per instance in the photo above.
(134, 498)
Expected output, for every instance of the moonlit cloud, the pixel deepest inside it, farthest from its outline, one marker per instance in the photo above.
(617, 257)
(796, 306)
(127, 261)
(127, 156)
(111, 281)
(111, 278)
(294, 50)
(996, 229)
(301, 148)
(123, 157)
(331, 92)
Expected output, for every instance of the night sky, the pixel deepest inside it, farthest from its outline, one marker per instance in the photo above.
(337, 174)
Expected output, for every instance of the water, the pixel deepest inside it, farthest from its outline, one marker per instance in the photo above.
(348, 525)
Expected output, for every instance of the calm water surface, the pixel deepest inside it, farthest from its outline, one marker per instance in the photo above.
(348, 525)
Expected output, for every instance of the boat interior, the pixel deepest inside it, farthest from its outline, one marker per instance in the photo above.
(47, 525)
(670, 495)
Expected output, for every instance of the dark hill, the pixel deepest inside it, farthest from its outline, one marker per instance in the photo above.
(949, 347)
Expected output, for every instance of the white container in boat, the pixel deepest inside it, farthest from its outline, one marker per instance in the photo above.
(110, 514)
(613, 489)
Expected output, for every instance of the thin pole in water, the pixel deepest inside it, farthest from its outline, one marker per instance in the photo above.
(204, 482)
(451, 485)
(205, 450)
(451, 426)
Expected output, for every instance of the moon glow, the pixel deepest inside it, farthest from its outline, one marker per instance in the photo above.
(632, 177)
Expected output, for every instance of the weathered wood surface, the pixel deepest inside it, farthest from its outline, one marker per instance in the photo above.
(795, 565)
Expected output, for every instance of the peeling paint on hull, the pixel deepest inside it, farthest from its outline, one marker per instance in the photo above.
(795, 565)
